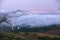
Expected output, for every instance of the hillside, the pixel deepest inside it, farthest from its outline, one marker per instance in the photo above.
(28, 36)
(50, 29)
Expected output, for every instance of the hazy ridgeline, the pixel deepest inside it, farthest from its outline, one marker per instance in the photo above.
(23, 20)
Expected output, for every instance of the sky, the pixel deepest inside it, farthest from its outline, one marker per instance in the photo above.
(31, 5)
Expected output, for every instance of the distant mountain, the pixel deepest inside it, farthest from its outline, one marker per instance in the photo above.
(18, 13)
(10, 15)
(19, 17)
(26, 21)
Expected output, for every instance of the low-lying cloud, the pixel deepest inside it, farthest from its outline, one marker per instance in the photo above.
(15, 19)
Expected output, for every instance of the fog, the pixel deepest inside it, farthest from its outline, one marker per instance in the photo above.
(36, 20)
(26, 18)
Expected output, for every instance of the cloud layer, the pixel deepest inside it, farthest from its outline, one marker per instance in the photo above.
(27, 18)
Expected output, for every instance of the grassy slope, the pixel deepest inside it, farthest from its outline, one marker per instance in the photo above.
(52, 32)
(28, 36)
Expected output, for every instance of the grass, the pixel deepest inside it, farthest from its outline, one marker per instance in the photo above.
(28, 36)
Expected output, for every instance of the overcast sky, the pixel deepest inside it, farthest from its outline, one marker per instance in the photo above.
(31, 5)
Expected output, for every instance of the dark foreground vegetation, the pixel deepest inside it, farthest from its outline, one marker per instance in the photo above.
(51, 32)
(28, 36)
(50, 29)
